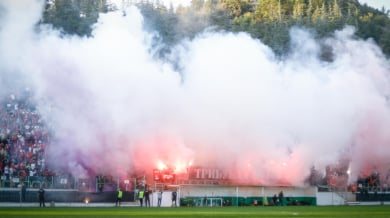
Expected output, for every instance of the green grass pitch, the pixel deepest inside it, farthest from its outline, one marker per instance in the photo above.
(188, 212)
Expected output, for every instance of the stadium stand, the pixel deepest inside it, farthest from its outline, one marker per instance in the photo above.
(23, 141)
(24, 137)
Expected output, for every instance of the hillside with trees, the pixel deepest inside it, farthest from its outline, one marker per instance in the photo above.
(267, 20)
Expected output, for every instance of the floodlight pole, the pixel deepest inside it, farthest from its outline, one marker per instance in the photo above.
(135, 189)
(263, 193)
(237, 196)
(20, 193)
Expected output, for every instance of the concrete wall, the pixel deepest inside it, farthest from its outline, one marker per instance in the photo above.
(166, 200)
(206, 195)
(237, 195)
(329, 198)
(64, 195)
(244, 191)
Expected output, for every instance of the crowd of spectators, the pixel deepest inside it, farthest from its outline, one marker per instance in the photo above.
(23, 139)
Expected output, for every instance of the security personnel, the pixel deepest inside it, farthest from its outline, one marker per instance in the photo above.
(119, 197)
(41, 194)
(141, 197)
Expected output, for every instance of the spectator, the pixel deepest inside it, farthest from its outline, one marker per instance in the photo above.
(100, 180)
(6, 172)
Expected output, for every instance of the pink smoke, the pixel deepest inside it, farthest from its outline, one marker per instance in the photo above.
(234, 106)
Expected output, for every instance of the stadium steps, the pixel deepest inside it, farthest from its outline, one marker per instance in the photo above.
(352, 203)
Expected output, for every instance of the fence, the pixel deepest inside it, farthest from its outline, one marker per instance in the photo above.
(93, 184)
(60, 195)
(47, 182)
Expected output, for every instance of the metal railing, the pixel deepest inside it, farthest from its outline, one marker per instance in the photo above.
(47, 182)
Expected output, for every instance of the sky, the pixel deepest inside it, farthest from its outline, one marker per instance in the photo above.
(377, 3)
(234, 105)
(176, 3)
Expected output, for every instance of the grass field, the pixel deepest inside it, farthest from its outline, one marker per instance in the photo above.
(188, 212)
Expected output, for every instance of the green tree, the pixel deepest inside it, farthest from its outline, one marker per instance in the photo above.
(268, 11)
(73, 16)
(298, 11)
(236, 8)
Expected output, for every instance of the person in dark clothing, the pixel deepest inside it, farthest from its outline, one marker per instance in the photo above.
(41, 195)
(281, 198)
(100, 180)
(147, 199)
(23, 192)
(275, 200)
(174, 197)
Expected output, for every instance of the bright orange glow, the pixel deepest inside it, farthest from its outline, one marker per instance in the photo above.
(161, 165)
(180, 167)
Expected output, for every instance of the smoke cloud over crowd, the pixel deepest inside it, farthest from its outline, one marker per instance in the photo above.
(234, 105)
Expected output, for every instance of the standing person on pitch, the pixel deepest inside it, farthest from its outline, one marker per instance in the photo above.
(174, 197)
(147, 199)
(159, 198)
(141, 197)
(119, 197)
(281, 198)
(41, 196)
(23, 192)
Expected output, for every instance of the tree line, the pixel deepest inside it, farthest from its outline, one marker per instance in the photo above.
(267, 20)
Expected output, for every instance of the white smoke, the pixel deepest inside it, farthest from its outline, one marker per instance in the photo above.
(235, 105)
